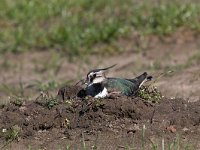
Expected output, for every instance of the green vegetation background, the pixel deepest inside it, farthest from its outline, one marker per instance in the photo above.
(78, 26)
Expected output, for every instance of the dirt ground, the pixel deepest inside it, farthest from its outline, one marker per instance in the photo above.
(112, 123)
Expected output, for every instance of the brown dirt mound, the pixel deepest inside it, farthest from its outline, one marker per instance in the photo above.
(67, 120)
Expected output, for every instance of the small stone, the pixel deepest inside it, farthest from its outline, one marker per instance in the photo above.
(185, 129)
(110, 125)
(4, 130)
(22, 108)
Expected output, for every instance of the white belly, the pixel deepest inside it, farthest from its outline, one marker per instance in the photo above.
(102, 94)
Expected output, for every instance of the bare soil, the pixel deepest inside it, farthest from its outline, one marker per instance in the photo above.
(110, 123)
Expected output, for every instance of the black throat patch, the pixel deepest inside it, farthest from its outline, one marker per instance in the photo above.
(94, 89)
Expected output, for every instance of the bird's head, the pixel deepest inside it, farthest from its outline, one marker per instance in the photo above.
(96, 76)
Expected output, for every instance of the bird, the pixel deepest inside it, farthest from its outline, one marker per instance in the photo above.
(100, 86)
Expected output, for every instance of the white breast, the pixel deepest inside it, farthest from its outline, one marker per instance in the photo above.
(102, 94)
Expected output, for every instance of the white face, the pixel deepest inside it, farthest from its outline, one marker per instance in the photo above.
(98, 79)
(95, 77)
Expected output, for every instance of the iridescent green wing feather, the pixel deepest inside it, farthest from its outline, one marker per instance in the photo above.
(124, 86)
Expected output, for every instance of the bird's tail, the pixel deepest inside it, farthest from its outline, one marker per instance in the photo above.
(141, 79)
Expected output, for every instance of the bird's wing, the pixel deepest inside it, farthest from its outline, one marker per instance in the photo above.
(124, 86)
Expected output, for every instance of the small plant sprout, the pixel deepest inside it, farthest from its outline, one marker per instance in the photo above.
(143, 137)
(151, 92)
(11, 134)
(40, 86)
(163, 144)
(48, 100)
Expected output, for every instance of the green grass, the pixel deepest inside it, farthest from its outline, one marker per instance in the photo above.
(46, 99)
(40, 86)
(166, 18)
(78, 27)
(16, 94)
(11, 134)
(150, 93)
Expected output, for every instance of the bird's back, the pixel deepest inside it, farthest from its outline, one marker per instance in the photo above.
(124, 86)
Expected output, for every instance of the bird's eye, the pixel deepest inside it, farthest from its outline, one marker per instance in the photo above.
(92, 77)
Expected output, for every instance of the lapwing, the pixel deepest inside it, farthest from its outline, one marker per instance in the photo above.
(100, 86)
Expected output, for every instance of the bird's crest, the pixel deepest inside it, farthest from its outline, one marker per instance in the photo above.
(97, 75)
